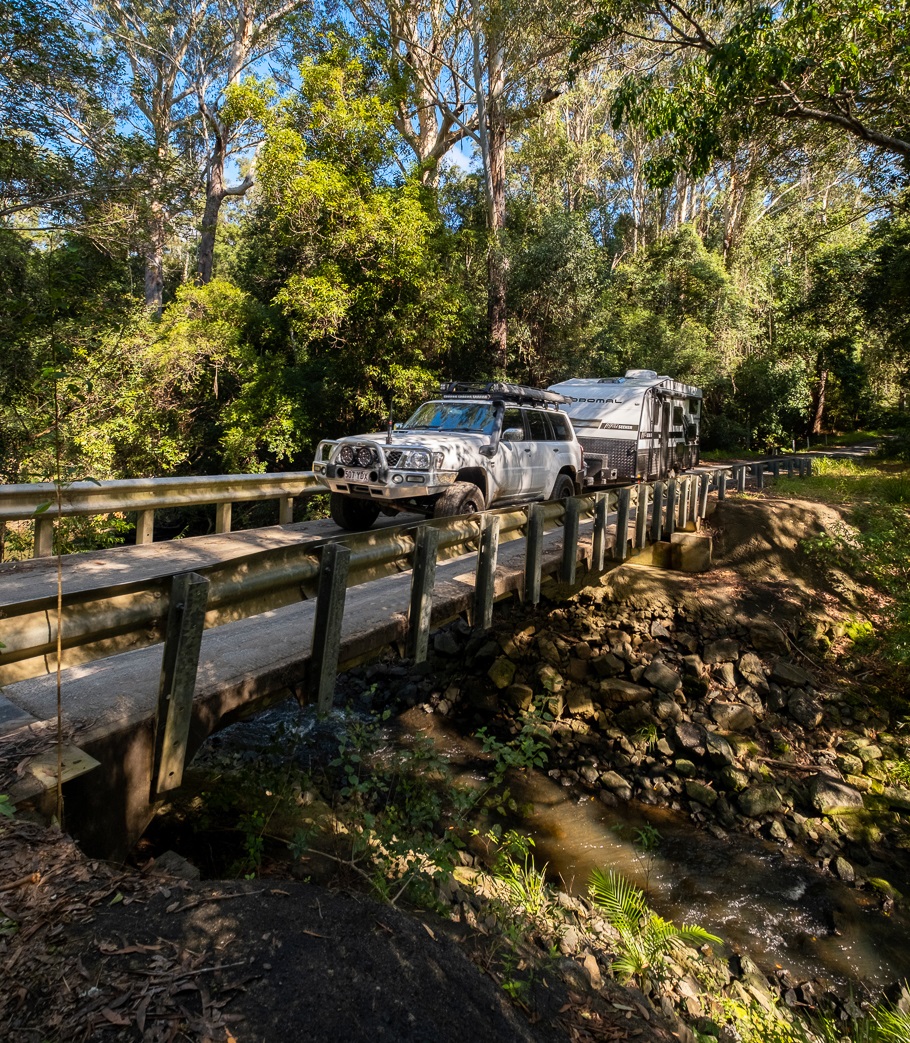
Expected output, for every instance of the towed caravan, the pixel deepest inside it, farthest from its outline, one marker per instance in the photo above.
(637, 427)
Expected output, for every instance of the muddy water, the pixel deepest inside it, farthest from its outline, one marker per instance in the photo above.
(762, 901)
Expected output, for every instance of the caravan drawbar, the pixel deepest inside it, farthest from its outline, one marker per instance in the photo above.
(640, 426)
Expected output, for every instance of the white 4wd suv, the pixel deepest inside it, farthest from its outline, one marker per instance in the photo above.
(476, 446)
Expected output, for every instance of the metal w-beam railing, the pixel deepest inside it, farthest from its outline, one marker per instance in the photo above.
(95, 621)
(38, 501)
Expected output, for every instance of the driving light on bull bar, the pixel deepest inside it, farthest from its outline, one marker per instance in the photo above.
(364, 456)
(346, 454)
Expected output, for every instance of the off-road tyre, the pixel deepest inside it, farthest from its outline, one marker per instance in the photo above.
(353, 515)
(460, 498)
(563, 487)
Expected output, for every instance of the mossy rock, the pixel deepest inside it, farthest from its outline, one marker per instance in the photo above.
(884, 888)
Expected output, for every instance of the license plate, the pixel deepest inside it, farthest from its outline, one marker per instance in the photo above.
(357, 476)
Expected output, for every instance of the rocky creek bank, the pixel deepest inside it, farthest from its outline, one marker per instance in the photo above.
(721, 712)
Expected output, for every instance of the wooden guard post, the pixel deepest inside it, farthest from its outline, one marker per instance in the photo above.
(623, 510)
(179, 665)
(423, 579)
(534, 553)
(486, 571)
(570, 540)
(333, 577)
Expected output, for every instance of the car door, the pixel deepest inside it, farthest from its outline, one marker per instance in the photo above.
(544, 455)
(511, 467)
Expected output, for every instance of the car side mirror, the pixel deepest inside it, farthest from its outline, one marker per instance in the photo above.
(488, 451)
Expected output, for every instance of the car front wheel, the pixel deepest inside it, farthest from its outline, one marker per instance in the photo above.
(353, 515)
(460, 498)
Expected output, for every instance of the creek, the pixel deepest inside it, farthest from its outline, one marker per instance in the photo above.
(766, 901)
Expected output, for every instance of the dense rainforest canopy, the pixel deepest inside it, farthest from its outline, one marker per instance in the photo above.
(231, 227)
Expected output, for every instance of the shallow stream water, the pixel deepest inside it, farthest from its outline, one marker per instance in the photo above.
(764, 901)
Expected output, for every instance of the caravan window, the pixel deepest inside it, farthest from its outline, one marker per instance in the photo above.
(694, 405)
(677, 415)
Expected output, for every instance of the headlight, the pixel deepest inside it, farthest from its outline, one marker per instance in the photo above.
(346, 454)
(364, 456)
(419, 460)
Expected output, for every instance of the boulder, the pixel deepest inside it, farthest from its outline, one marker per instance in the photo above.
(789, 675)
(718, 750)
(849, 764)
(804, 709)
(616, 784)
(732, 717)
(580, 704)
(550, 679)
(725, 650)
(752, 668)
(828, 794)
(615, 690)
(577, 669)
(667, 709)
(661, 676)
(608, 665)
(520, 696)
(766, 637)
(688, 738)
(756, 801)
(701, 792)
(502, 672)
(748, 696)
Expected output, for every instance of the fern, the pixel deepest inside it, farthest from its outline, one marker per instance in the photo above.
(645, 939)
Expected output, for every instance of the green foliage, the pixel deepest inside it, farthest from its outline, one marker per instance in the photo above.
(527, 749)
(646, 941)
(7, 808)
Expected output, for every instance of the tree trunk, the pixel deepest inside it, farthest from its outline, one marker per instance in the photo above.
(214, 196)
(818, 413)
(498, 262)
(154, 260)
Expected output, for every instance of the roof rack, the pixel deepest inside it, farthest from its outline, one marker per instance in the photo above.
(504, 392)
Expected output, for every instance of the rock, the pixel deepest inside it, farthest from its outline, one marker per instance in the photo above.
(869, 753)
(759, 800)
(844, 869)
(694, 665)
(659, 629)
(582, 650)
(777, 831)
(568, 943)
(718, 750)
(687, 641)
(695, 687)
(667, 709)
(804, 709)
(689, 738)
(519, 696)
(725, 673)
(577, 669)
(790, 675)
(732, 717)
(734, 778)
(766, 637)
(615, 782)
(752, 668)
(169, 863)
(550, 679)
(502, 672)
(828, 794)
(615, 690)
(661, 676)
(726, 650)
(684, 767)
(701, 792)
(595, 978)
(445, 644)
(608, 665)
(748, 696)
(549, 653)
(579, 703)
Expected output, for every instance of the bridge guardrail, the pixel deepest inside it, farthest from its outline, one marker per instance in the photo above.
(96, 620)
(145, 496)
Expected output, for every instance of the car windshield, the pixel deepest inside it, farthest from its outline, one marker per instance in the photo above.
(452, 416)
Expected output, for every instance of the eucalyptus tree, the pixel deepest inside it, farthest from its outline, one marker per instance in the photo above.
(724, 66)
(182, 60)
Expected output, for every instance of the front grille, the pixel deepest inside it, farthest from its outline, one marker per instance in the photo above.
(617, 453)
(393, 457)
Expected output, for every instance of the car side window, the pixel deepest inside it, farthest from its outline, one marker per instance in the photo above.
(560, 424)
(513, 428)
(540, 428)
